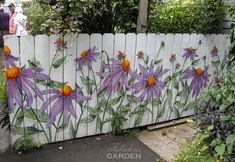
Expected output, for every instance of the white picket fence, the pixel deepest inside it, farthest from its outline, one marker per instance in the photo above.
(42, 49)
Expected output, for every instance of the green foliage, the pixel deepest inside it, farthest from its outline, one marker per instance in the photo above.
(36, 16)
(232, 49)
(26, 143)
(196, 151)
(186, 16)
(88, 16)
(4, 118)
(217, 111)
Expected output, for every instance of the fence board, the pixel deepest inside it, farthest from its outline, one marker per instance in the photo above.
(108, 52)
(13, 43)
(82, 45)
(42, 56)
(140, 46)
(130, 51)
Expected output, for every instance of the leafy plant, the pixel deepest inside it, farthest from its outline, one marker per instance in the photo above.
(217, 110)
(36, 16)
(4, 117)
(186, 16)
(196, 151)
(62, 16)
(26, 143)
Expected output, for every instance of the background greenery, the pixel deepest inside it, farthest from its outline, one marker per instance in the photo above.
(100, 16)
(111, 16)
(182, 16)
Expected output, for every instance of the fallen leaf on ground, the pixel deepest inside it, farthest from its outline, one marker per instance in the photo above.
(190, 121)
(164, 133)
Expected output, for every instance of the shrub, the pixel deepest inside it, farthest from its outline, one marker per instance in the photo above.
(36, 17)
(101, 16)
(196, 151)
(217, 111)
(4, 118)
(186, 16)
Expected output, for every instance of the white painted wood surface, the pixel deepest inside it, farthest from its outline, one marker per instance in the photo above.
(43, 49)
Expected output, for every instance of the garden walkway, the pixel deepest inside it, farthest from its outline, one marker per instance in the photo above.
(90, 149)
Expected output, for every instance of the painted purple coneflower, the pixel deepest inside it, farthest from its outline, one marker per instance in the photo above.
(116, 77)
(86, 58)
(121, 56)
(61, 44)
(190, 53)
(214, 52)
(199, 80)
(10, 60)
(140, 55)
(61, 101)
(21, 80)
(149, 84)
(173, 57)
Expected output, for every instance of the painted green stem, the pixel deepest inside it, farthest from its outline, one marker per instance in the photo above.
(44, 132)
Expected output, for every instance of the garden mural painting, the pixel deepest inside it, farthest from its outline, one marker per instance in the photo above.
(67, 87)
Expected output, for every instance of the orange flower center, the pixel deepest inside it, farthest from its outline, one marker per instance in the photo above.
(126, 65)
(13, 73)
(7, 50)
(198, 72)
(190, 49)
(66, 91)
(84, 54)
(151, 81)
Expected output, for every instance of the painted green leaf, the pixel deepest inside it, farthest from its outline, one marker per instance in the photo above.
(96, 112)
(25, 130)
(115, 100)
(176, 112)
(184, 94)
(55, 84)
(19, 119)
(98, 123)
(32, 64)
(195, 62)
(41, 82)
(102, 93)
(162, 110)
(125, 109)
(175, 75)
(121, 92)
(29, 113)
(169, 97)
(157, 62)
(72, 132)
(167, 80)
(59, 62)
(131, 98)
(215, 63)
(179, 105)
(156, 101)
(87, 81)
(139, 117)
(147, 59)
(109, 109)
(220, 149)
(132, 78)
(88, 119)
(191, 105)
(175, 83)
